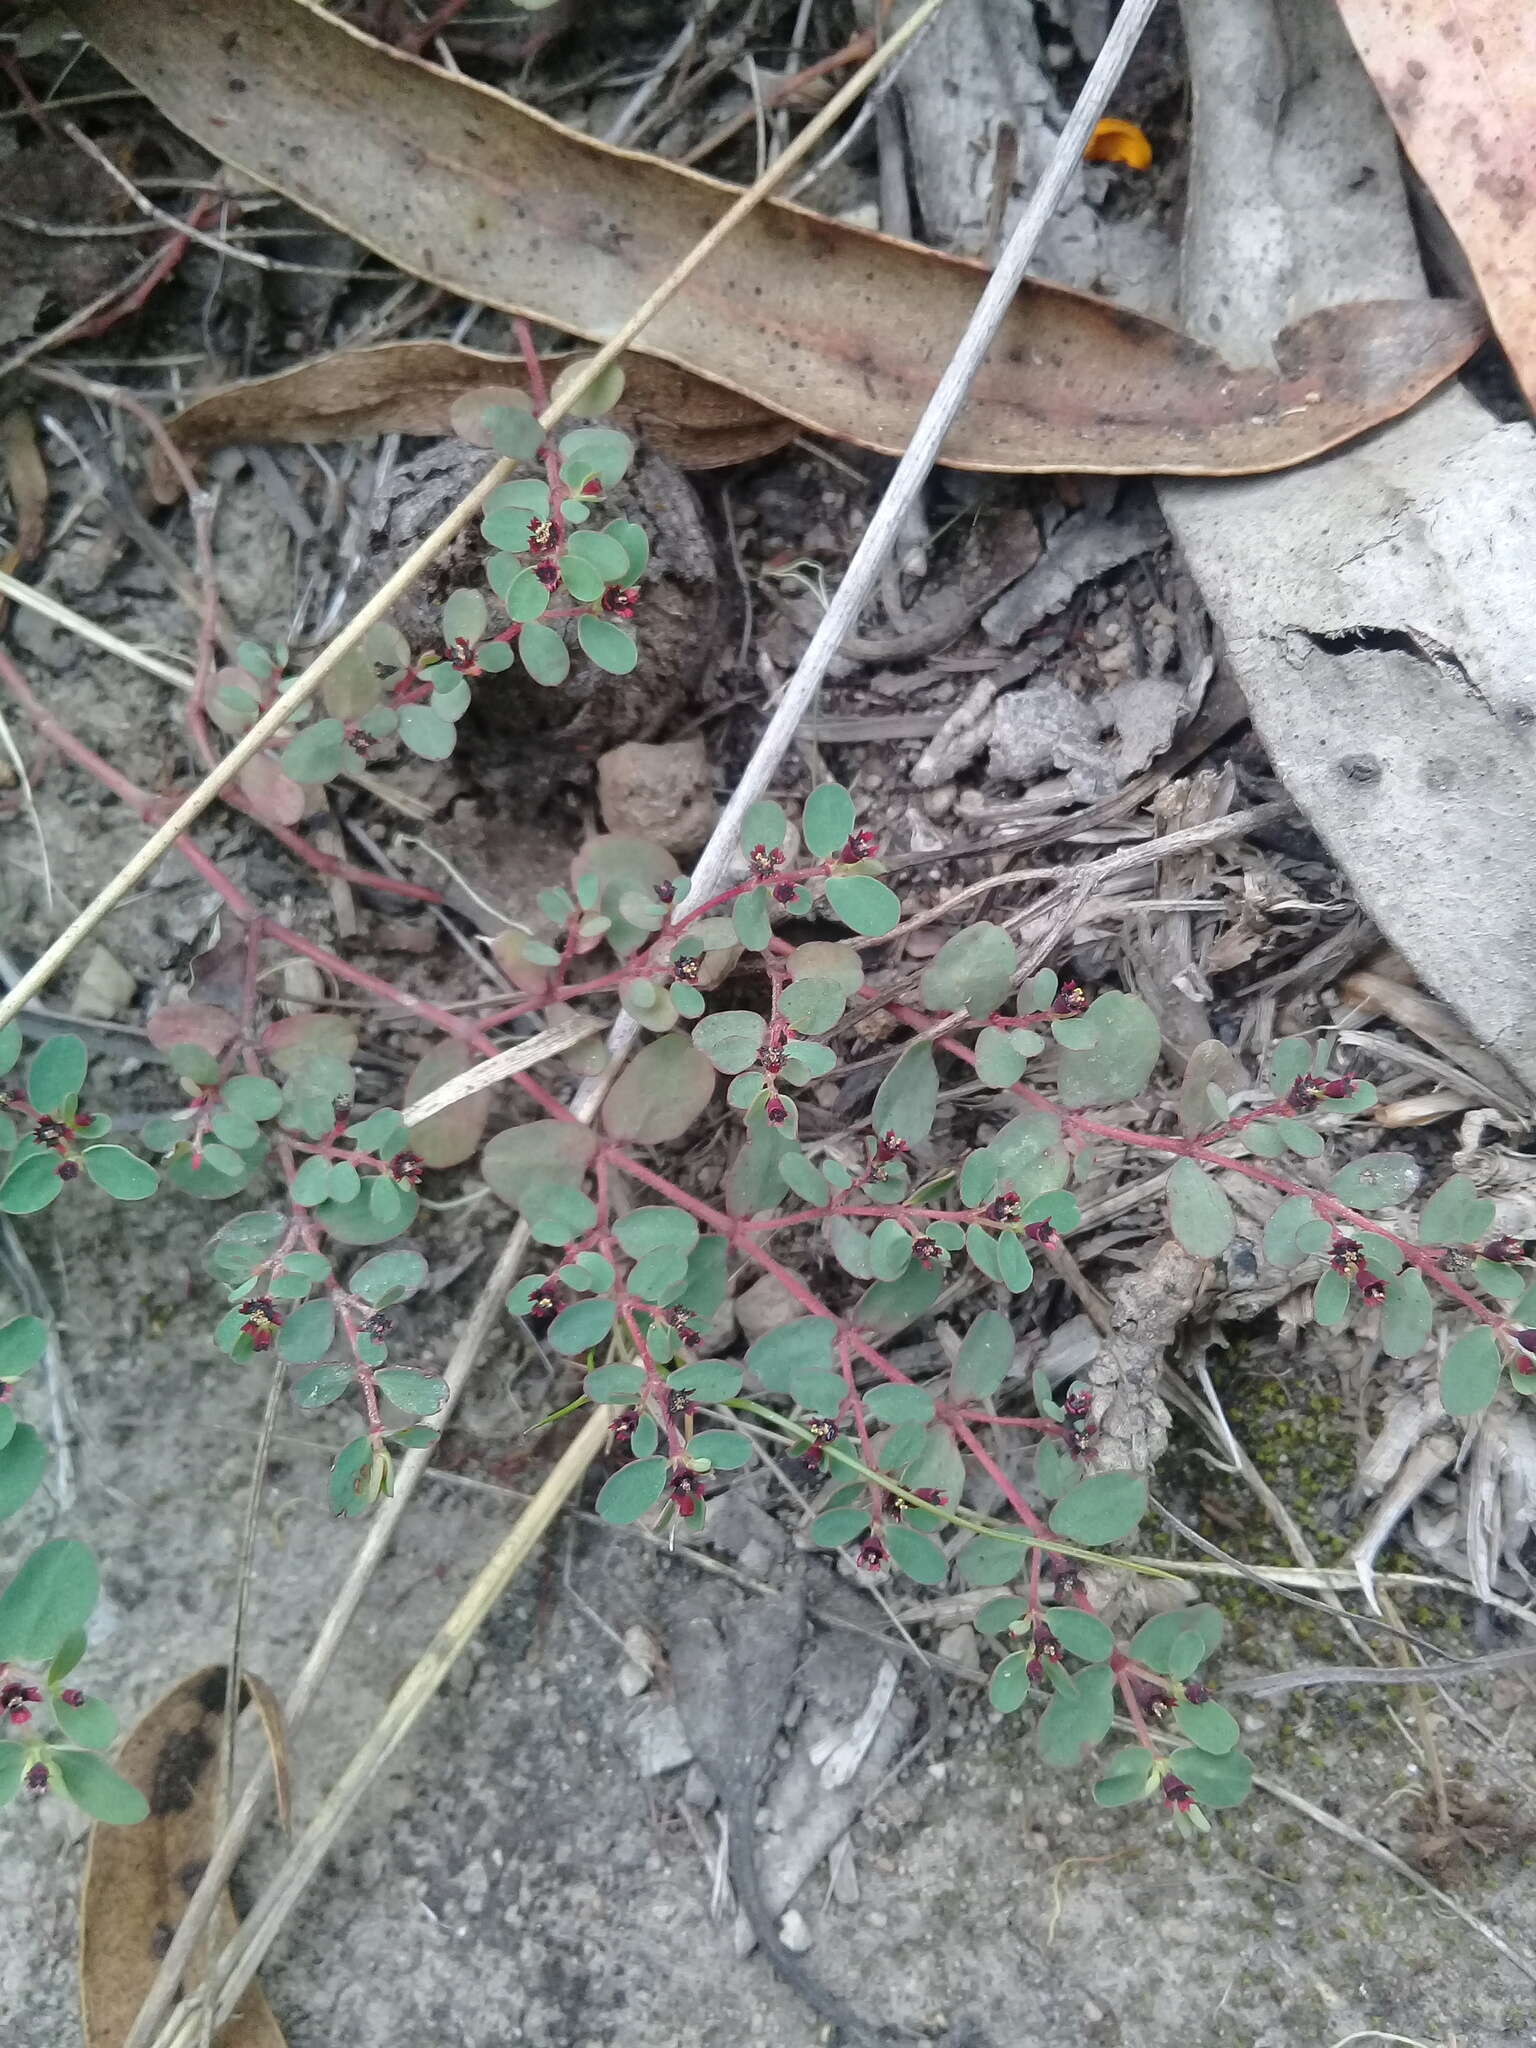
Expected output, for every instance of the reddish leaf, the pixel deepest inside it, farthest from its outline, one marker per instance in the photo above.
(201, 1024)
(275, 797)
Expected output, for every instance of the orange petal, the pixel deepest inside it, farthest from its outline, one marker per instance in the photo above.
(1119, 142)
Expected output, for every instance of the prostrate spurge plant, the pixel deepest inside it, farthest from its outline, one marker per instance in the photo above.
(638, 1272)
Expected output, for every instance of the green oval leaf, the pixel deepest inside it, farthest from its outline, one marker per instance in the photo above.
(864, 904)
(92, 1725)
(1330, 1300)
(544, 654)
(464, 613)
(1083, 1634)
(828, 820)
(1407, 1315)
(53, 1595)
(23, 1340)
(607, 646)
(22, 1462)
(97, 1789)
(1154, 1642)
(730, 1039)
(317, 753)
(1118, 1063)
(908, 1097)
(1077, 1721)
(1379, 1181)
(1456, 1214)
(425, 733)
(389, 1278)
(327, 1383)
(632, 1491)
(725, 1450)
(1224, 1780)
(120, 1173)
(661, 1093)
(919, 1557)
(579, 1327)
(418, 1393)
(1198, 1211)
(895, 1403)
(56, 1073)
(1469, 1378)
(1102, 1509)
(31, 1185)
(808, 1341)
(307, 1334)
(813, 1005)
(615, 1384)
(1209, 1726)
(985, 1357)
(1008, 1688)
(972, 971)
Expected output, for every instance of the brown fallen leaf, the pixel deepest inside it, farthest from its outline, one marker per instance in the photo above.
(1459, 79)
(138, 1880)
(411, 387)
(839, 329)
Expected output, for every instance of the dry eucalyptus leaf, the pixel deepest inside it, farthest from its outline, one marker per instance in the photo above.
(138, 1880)
(807, 316)
(1458, 78)
(419, 387)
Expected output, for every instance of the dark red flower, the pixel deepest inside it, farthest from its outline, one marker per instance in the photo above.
(684, 1490)
(1347, 1257)
(620, 603)
(72, 1696)
(1177, 1794)
(775, 1111)
(1043, 1234)
(1070, 1001)
(871, 1555)
(861, 845)
(37, 1778)
(1505, 1251)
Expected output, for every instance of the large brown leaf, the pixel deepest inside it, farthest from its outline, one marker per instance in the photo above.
(1459, 80)
(836, 328)
(411, 387)
(138, 1880)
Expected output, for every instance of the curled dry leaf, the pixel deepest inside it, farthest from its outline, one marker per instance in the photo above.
(138, 1880)
(1458, 78)
(413, 387)
(808, 317)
